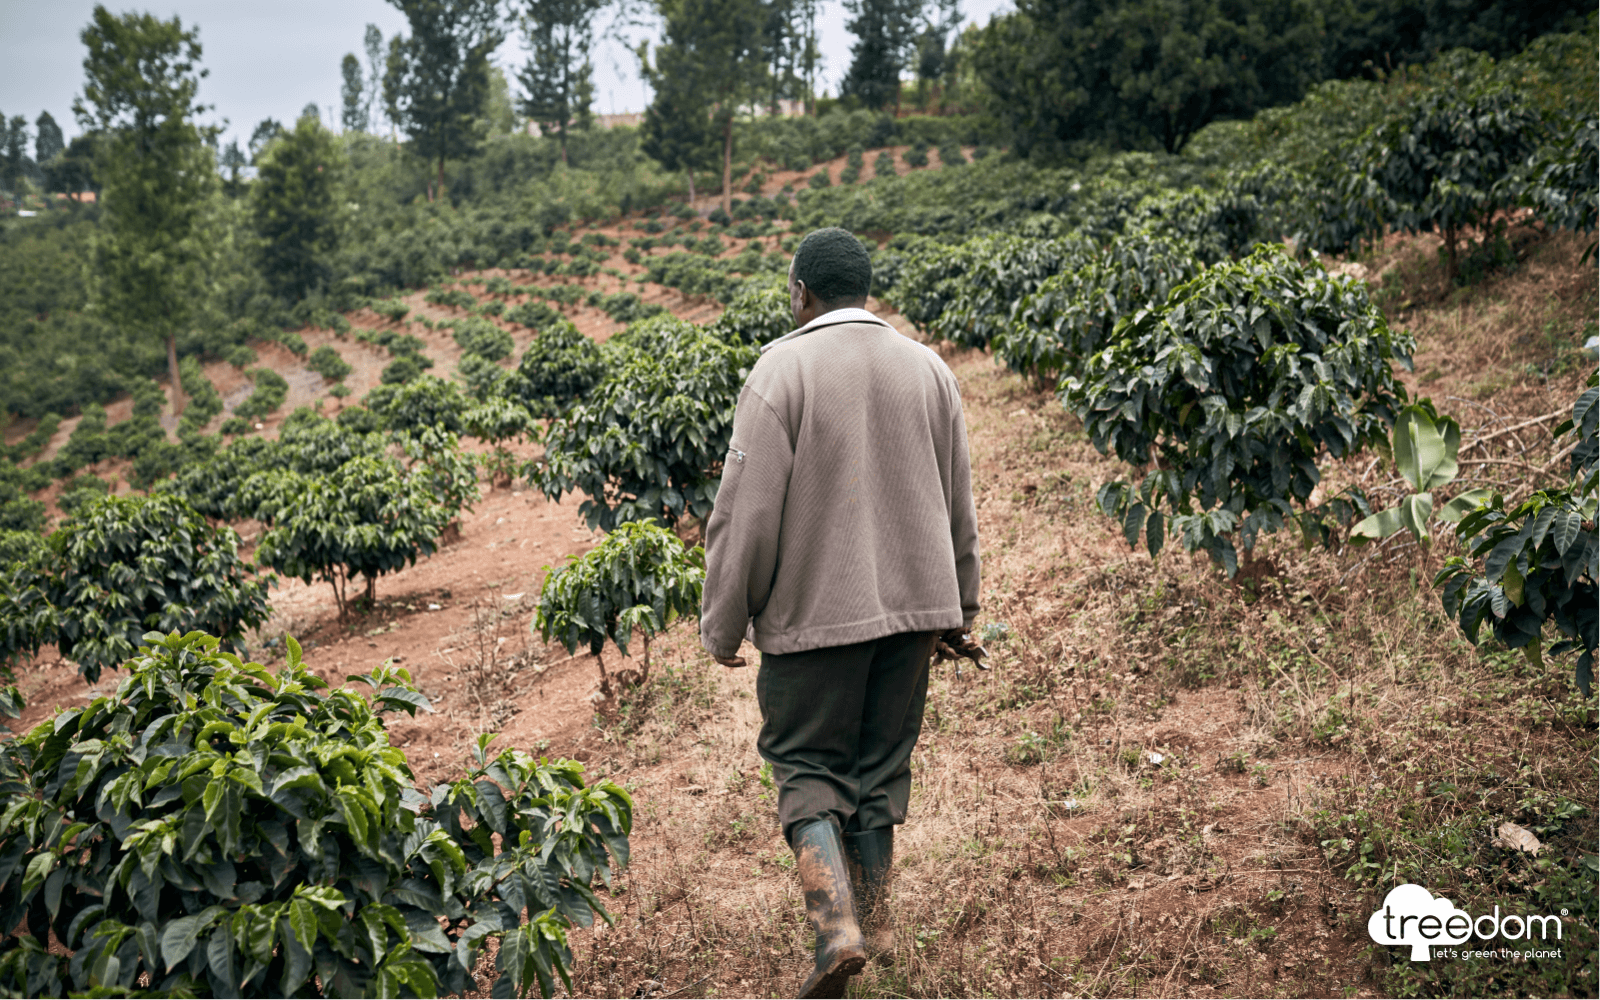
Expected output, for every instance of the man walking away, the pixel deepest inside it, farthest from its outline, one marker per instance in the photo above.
(844, 545)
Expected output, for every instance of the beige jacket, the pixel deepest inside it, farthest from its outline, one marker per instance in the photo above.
(845, 511)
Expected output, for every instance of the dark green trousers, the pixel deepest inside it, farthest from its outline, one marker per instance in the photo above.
(838, 725)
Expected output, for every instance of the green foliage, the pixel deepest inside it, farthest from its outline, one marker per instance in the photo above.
(402, 370)
(270, 392)
(157, 174)
(1539, 564)
(965, 293)
(1072, 313)
(450, 474)
(436, 83)
(557, 370)
(1424, 449)
(641, 576)
(1561, 185)
(1446, 162)
(483, 338)
(627, 307)
(327, 362)
(294, 207)
(647, 443)
(757, 315)
(119, 568)
(365, 518)
(424, 402)
(393, 310)
(450, 298)
(1236, 384)
(230, 832)
(79, 492)
(87, 444)
(18, 546)
(36, 440)
(204, 401)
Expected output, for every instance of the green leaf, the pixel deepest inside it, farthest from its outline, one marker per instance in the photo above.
(1464, 504)
(1424, 457)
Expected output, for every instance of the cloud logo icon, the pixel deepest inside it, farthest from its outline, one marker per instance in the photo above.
(1412, 915)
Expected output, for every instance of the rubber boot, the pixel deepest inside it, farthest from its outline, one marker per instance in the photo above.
(870, 855)
(819, 855)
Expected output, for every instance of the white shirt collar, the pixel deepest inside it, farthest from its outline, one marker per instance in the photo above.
(831, 318)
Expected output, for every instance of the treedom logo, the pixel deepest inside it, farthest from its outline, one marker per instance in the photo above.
(1411, 915)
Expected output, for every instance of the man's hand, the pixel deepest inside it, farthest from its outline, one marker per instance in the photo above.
(730, 661)
(957, 644)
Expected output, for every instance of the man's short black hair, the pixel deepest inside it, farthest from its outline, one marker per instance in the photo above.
(834, 265)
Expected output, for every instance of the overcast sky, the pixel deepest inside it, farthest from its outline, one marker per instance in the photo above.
(271, 59)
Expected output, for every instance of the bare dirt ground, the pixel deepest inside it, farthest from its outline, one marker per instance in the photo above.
(1149, 792)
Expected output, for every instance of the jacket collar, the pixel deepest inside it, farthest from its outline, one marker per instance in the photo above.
(832, 318)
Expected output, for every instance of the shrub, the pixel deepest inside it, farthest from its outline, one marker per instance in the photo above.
(238, 833)
(483, 338)
(1237, 383)
(819, 180)
(493, 307)
(87, 444)
(239, 356)
(271, 390)
(18, 511)
(1444, 163)
(1072, 313)
(451, 298)
(366, 518)
(557, 370)
(18, 546)
(424, 402)
(648, 441)
(1561, 186)
(641, 576)
(393, 310)
(121, 567)
(756, 315)
(80, 491)
(327, 362)
(204, 400)
(403, 370)
(293, 341)
(950, 155)
(627, 307)
(36, 440)
(483, 378)
(883, 166)
(533, 314)
(917, 155)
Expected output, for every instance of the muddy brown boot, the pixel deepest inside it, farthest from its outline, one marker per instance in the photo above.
(819, 855)
(870, 855)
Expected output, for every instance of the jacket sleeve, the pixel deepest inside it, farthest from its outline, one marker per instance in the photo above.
(963, 518)
(742, 532)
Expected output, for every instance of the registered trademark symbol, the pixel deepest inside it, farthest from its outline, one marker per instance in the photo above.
(1563, 911)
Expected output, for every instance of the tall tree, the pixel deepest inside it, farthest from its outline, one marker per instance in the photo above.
(13, 151)
(372, 42)
(886, 37)
(714, 48)
(293, 206)
(437, 79)
(353, 94)
(232, 161)
(156, 173)
(558, 79)
(1067, 76)
(677, 130)
(267, 130)
(933, 56)
(48, 142)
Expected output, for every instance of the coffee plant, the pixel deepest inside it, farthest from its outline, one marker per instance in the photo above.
(1072, 313)
(757, 315)
(215, 829)
(327, 362)
(557, 370)
(495, 421)
(483, 338)
(648, 441)
(1233, 387)
(118, 569)
(641, 576)
(366, 518)
(271, 391)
